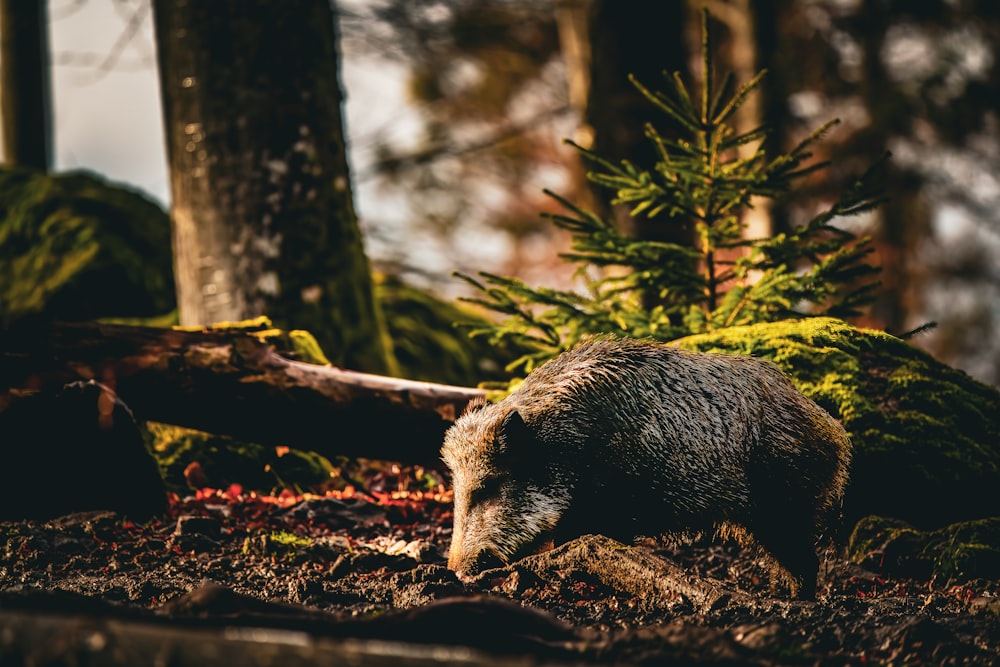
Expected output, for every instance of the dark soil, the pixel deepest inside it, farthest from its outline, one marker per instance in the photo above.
(351, 555)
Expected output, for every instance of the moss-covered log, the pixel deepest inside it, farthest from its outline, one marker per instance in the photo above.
(231, 382)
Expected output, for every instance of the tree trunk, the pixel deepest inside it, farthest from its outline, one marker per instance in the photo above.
(603, 42)
(24, 80)
(907, 219)
(783, 59)
(627, 37)
(230, 383)
(739, 53)
(263, 220)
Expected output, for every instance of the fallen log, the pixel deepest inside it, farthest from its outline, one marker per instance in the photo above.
(213, 625)
(232, 383)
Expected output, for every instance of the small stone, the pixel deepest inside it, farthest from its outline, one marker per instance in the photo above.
(198, 525)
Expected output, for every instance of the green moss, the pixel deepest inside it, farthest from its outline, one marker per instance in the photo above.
(296, 344)
(926, 436)
(279, 544)
(225, 461)
(428, 345)
(425, 339)
(306, 347)
(73, 246)
(253, 325)
(288, 539)
(958, 552)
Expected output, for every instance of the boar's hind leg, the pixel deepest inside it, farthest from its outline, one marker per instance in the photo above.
(784, 524)
(792, 547)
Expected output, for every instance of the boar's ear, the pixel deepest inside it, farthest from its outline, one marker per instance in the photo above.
(475, 405)
(516, 439)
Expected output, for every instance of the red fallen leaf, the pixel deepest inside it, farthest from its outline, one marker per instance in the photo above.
(195, 476)
(234, 492)
(205, 493)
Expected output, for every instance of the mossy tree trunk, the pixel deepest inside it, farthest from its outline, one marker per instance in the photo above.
(24, 79)
(263, 219)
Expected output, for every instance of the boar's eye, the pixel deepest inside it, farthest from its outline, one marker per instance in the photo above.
(488, 489)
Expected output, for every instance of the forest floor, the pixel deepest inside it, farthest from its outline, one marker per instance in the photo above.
(325, 564)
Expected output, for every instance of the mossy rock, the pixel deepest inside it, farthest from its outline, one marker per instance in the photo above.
(224, 461)
(75, 247)
(926, 436)
(956, 553)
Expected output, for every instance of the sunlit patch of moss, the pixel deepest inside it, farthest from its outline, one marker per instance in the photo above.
(297, 344)
(926, 436)
(277, 543)
(164, 321)
(252, 325)
(307, 348)
(288, 539)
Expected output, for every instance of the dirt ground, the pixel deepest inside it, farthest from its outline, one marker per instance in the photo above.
(343, 556)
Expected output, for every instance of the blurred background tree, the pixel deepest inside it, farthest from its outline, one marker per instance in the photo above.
(453, 179)
(486, 83)
(262, 211)
(25, 102)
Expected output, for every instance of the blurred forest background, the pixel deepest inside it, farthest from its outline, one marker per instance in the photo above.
(457, 111)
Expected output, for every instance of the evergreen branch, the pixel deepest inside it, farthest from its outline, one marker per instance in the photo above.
(805, 171)
(665, 105)
(706, 63)
(813, 137)
(594, 157)
(757, 134)
(719, 98)
(739, 98)
(587, 216)
(680, 92)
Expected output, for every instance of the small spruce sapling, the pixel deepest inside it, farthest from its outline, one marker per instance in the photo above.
(725, 279)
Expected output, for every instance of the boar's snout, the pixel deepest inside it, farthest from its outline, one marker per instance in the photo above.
(468, 566)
